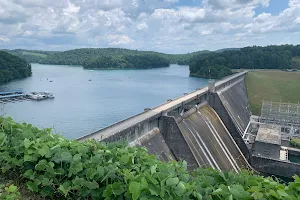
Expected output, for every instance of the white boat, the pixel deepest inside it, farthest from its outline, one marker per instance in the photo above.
(40, 95)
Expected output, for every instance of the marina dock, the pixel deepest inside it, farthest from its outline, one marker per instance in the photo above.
(19, 95)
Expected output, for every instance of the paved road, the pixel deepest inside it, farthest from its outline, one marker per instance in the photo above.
(115, 128)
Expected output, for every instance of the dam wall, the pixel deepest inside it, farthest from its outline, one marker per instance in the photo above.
(134, 127)
(185, 128)
(231, 105)
(155, 143)
(176, 141)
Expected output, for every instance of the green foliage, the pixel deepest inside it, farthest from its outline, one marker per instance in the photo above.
(270, 57)
(271, 85)
(9, 192)
(31, 56)
(127, 61)
(87, 56)
(12, 67)
(90, 170)
(296, 62)
(295, 142)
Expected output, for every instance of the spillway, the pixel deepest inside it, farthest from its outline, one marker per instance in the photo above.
(210, 141)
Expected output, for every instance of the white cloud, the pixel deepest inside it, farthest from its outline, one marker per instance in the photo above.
(119, 40)
(4, 39)
(297, 20)
(160, 25)
(142, 26)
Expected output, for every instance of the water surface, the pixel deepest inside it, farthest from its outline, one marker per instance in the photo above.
(82, 106)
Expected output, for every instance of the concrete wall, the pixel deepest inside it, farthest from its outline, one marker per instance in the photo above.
(134, 132)
(267, 150)
(154, 142)
(176, 142)
(276, 167)
(216, 103)
(235, 100)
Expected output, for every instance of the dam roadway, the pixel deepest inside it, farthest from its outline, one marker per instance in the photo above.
(161, 109)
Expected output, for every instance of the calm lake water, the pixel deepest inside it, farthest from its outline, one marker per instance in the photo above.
(82, 106)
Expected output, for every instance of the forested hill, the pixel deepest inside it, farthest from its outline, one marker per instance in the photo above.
(81, 56)
(127, 61)
(12, 67)
(218, 65)
(31, 56)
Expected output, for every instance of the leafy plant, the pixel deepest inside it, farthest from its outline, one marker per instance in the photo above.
(56, 168)
(9, 192)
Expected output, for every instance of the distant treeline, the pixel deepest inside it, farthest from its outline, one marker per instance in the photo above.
(127, 61)
(218, 65)
(204, 64)
(12, 67)
(85, 55)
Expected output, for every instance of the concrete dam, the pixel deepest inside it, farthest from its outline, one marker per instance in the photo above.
(203, 127)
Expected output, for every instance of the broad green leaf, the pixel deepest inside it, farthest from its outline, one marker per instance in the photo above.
(30, 158)
(92, 184)
(153, 169)
(100, 171)
(180, 189)
(218, 191)
(144, 183)
(238, 192)
(32, 186)
(75, 168)
(135, 190)
(43, 150)
(172, 181)
(154, 190)
(42, 165)
(12, 188)
(64, 188)
(27, 143)
(77, 157)
(108, 192)
(117, 189)
(124, 159)
(282, 193)
(46, 182)
(66, 156)
(2, 138)
(78, 181)
(90, 173)
(258, 195)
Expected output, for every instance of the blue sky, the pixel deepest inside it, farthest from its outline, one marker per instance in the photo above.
(275, 7)
(171, 26)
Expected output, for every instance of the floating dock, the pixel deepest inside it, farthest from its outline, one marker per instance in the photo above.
(19, 95)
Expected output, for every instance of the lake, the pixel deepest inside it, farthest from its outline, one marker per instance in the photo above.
(82, 106)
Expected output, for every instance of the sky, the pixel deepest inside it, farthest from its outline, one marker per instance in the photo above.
(170, 26)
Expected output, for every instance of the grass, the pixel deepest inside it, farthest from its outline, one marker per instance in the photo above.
(34, 54)
(267, 85)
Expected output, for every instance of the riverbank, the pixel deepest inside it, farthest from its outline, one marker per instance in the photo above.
(272, 85)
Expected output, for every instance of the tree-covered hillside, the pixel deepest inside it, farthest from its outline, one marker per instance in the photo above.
(127, 61)
(217, 65)
(12, 67)
(81, 56)
(31, 56)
